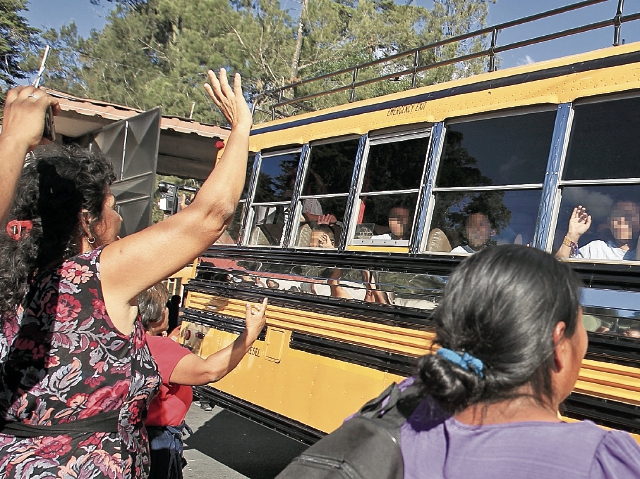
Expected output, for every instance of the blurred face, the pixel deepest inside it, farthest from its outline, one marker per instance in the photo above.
(320, 239)
(478, 230)
(161, 325)
(398, 221)
(621, 228)
(108, 228)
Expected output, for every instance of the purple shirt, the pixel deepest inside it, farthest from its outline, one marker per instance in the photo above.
(435, 446)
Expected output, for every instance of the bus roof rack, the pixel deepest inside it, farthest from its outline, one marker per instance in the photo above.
(409, 64)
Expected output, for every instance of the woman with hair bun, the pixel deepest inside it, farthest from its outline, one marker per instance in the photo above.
(511, 345)
(75, 369)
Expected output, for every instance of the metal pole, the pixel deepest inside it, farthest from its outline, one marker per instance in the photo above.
(416, 63)
(353, 85)
(492, 54)
(36, 83)
(618, 23)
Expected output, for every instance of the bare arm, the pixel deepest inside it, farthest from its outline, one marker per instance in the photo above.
(22, 127)
(192, 370)
(579, 223)
(164, 248)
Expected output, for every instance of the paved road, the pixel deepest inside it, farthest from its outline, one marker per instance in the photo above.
(227, 446)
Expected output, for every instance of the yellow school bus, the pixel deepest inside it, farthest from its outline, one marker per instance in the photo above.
(354, 216)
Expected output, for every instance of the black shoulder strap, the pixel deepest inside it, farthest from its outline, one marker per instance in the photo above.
(393, 406)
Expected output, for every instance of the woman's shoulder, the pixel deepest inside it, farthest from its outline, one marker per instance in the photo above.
(617, 455)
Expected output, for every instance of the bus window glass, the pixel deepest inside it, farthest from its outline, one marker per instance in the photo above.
(386, 219)
(615, 221)
(271, 204)
(497, 151)
(386, 206)
(277, 177)
(472, 221)
(395, 166)
(324, 194)
(331, 168)
(604, 141)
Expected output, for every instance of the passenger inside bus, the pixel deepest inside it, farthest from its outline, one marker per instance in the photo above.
(617, 239)
(478, 232)
(322, 236)
(399, 225)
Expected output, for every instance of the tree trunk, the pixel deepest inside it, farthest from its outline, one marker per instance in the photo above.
(296, 54)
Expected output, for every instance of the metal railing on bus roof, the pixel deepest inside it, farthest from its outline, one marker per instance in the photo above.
(278, 94)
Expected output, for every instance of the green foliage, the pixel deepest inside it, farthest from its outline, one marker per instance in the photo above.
(16, 38)
(156, 52)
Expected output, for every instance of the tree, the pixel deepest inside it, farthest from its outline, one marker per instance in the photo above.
(155, 52)
(16, 38)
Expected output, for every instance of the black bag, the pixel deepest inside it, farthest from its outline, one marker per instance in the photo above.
(367, 446)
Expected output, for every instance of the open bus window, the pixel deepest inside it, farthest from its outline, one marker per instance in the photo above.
(271, 203)
(614, 230)
(323, 200)
(386, 219)
(387, 203)
(473, 221)
(489, 184)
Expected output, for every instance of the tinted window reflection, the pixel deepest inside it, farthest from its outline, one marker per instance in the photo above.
(247, 178)
(604, 141)
(386, 217)
(597, 320)
(615, 221)
(331, 168)
(395, 166)
(277, 177)
(472, 221)
(499, 151)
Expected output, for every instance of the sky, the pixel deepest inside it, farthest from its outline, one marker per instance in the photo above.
(55, 13)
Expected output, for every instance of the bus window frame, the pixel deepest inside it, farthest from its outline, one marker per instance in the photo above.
(431, 189)
(250, 216)
(557, 195)
(300, 183)
(373, 138)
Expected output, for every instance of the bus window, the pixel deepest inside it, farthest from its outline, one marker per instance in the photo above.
(602, 175)
(475, 220)
(387, 202)
(233, 233)
(324, 193)
(489, 184)
(272, 199)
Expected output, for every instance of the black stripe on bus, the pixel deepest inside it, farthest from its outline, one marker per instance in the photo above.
(512, 80)
(354, 309)
(369, 357)
(613, 348)
(272, 420)
(606, 412)
(219, 321)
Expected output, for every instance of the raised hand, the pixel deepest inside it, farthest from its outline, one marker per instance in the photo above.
(230, 102)
(579, 223)
(24, 112)
(255, 318)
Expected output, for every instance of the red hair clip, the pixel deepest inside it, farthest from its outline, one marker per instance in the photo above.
(16, 227)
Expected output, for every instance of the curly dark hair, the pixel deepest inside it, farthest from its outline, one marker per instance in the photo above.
(57, 184)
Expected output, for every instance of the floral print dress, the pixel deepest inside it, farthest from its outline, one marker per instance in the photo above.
(62, 360)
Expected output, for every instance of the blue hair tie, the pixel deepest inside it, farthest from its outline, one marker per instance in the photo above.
(463, 360)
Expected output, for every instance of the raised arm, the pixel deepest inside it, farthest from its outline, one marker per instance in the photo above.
(192, 370)
(134, 263)
(22, 126)
(579, 223)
